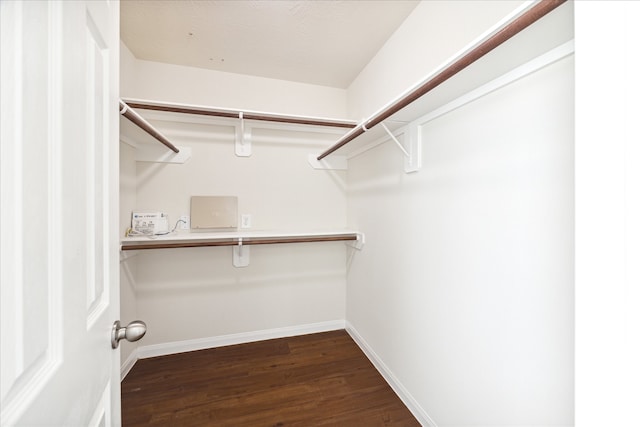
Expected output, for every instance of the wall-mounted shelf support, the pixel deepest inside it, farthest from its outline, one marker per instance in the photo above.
(412, 157)
(413, 135)
(394, 139)
(358, 243)
(243, 137)
(241, 255)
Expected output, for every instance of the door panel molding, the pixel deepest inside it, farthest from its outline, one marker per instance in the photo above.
(31, 256)
(57, 365)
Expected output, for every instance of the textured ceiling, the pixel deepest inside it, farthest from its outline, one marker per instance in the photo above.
(324, 42)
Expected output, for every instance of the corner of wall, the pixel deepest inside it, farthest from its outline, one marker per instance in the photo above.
(410, 402)
(127, 70)
(424, 41)
(128, 299)
(128, 364)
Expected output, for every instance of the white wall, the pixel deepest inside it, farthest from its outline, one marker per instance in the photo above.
(607, 175)
(196, 294)
(431, 34)
(464, 289)
(465, 286)
(191, 85)
(128, 70)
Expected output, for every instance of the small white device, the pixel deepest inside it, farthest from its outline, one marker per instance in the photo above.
(150, 223)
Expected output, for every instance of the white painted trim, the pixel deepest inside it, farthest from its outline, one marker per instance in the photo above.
(125, 368)
(26, 382)
(102, 412)
(164, 349)
(404, 395)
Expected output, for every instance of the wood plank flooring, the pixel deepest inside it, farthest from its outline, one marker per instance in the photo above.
(311, 380)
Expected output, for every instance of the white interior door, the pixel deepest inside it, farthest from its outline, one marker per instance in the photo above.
(59, 187)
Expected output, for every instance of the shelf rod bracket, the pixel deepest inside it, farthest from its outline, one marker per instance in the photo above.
(413, 157)
(358, 243)
(243, 138)
(241, 254)
(393, 137)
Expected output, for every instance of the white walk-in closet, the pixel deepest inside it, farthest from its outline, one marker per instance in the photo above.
(465, 207)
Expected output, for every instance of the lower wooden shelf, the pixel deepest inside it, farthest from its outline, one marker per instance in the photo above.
(194, 240)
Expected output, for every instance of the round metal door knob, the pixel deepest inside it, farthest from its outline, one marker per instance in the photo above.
(132, 332)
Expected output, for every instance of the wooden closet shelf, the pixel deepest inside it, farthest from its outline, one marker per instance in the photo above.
(194, 240)
(238, 114)
(413, 103)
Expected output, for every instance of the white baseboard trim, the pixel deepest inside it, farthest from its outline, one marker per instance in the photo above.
(155, 350)
(415, 408)
(128, 364)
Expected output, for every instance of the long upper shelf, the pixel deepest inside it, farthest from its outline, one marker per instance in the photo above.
(528, 33)
(498, 51)
(238, 114)
(136, 130)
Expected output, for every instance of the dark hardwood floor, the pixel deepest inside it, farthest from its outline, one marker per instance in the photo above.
(311, 380)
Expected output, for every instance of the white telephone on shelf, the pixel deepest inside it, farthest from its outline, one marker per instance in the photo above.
(150, 223)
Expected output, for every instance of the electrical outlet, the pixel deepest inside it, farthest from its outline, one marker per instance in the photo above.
(184, 222)
(245, 221)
